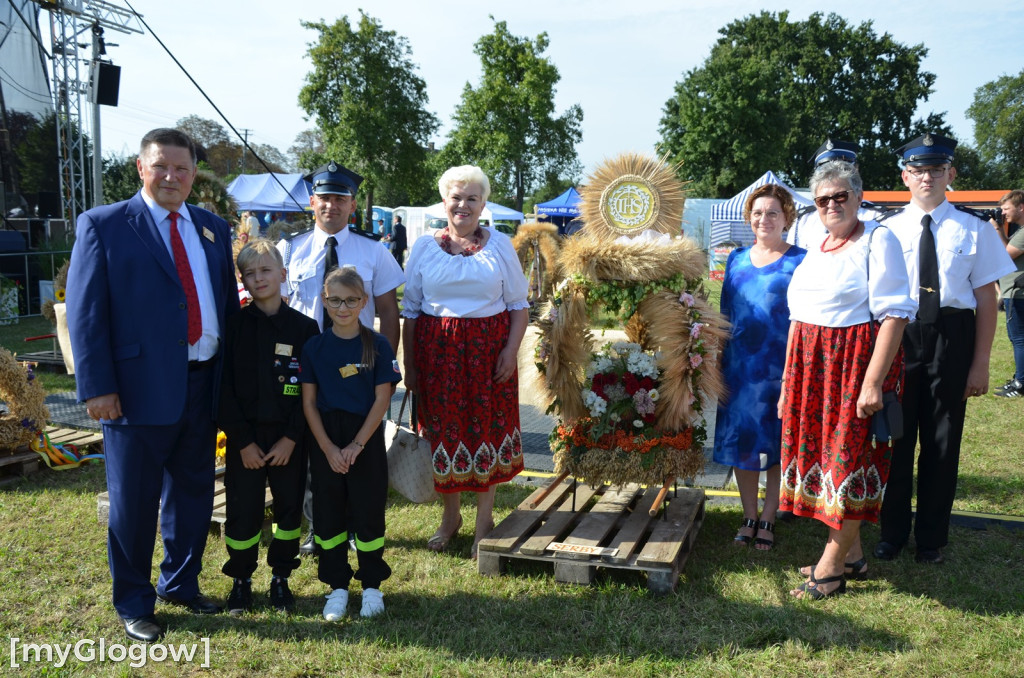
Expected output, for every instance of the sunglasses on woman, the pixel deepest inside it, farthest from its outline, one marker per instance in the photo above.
(840, 198)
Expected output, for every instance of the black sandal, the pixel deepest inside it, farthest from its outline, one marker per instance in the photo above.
(858, 570)
(767, 527)
(810, 588)
(742, 539)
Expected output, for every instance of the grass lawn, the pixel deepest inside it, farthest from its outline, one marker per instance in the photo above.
(731, 614)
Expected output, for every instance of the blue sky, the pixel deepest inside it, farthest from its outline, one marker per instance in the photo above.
(618, 60)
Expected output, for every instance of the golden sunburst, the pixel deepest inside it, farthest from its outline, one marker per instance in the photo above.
(631, 193)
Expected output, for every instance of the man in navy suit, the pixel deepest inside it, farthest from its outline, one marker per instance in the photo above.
(149, 290)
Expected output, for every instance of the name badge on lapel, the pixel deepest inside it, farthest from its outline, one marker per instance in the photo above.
(283, 349)
(208, 234)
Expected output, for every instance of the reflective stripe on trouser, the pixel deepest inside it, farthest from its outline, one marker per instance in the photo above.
(350, 504)
(245, 507)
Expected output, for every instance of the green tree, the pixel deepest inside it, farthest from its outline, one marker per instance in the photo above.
(507, 124)
(308, 151)
(772, 90)
(998, 115)
(37, 158)
(120, 178)
(369, 103)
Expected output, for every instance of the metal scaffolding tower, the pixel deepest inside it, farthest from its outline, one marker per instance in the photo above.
(68, 20)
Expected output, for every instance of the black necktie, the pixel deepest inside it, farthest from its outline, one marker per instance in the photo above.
(928, 272)
(330, 263)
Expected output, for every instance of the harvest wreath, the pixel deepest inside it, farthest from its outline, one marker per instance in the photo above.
(630, 411)
(25, 399)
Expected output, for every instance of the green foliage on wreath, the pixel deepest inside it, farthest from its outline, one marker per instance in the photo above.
(623, 297)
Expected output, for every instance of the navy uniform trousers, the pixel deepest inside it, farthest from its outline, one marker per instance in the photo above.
(350, 505)
(167, 469)
(246, 496)
(938, 358)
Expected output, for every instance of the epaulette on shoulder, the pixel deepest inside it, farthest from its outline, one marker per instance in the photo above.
(366, 234)
(804, 211)
(889, 214)
(288, 237)
(973, 212)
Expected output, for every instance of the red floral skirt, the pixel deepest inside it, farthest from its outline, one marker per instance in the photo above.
(471, 422)
(830, 471)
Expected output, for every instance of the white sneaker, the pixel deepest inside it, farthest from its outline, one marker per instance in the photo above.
(373, 603)
(337, 605)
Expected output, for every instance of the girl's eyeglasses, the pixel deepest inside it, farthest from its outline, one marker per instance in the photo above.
(336, 302)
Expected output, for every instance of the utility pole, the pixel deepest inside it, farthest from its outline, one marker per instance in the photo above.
(245, 146)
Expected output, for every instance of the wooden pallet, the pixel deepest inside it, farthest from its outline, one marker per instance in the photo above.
(615, 518)
(49, 361)
(218, 518)
(15, 464)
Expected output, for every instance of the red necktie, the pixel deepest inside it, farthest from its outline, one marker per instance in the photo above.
(195, 317)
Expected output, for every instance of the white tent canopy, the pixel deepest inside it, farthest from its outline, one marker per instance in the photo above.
(263, 192)
(492, 212)
(727, 223)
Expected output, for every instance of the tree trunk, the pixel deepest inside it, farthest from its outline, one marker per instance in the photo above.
(368, 214)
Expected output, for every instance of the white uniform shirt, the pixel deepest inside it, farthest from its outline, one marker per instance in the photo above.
(208, 343)
(477, 286)
(969, 250)
(808, 232)
(832, 290)
(378, 269)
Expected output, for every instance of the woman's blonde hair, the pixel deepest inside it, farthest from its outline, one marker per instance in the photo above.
(464, 174)
(349, 277)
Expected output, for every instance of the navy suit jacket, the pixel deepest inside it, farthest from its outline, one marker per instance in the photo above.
(126, 309)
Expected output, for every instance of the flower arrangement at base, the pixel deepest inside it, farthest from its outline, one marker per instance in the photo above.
(621, 441)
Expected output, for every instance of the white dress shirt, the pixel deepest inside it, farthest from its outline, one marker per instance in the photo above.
(969, 250)
(209, 342)
(304, 257)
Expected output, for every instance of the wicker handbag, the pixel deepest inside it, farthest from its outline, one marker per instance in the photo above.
(409, 468)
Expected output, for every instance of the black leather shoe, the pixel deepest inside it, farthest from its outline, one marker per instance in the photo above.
(144, 629)
(198, 605)
(931, 556)
(309, 547)
(886, 551)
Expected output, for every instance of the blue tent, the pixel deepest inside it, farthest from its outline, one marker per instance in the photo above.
(565, 205)
(262, 193)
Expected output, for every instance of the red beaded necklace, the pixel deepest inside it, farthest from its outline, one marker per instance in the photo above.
(476, 238)
(841, 242)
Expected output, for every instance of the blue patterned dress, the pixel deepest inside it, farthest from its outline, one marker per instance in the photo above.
(754, 301)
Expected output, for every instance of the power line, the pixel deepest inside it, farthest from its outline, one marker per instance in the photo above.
(210, 101)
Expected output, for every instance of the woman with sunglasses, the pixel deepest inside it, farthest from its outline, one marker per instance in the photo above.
(849, 302)
(747, 431)
(465, 313)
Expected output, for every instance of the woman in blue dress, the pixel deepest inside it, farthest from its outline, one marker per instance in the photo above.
(748, 432)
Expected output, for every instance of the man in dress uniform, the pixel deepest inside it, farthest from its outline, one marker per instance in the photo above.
(311, 255)
(953, 258)
(808, 231)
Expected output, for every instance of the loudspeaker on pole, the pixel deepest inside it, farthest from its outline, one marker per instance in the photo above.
(106, 82)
